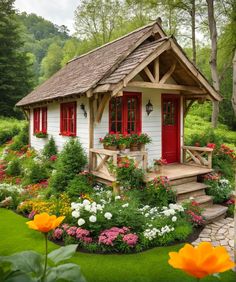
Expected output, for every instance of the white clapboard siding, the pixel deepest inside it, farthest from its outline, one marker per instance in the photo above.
(53, 119)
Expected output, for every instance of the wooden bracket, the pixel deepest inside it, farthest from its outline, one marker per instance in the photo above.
(168, 74)
(101, 107)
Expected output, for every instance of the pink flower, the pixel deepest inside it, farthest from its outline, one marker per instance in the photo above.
(71, 231)
(57, 233)
(32, 214)
(81, 233)
(65, 226)
(130, 239)
(87, 240)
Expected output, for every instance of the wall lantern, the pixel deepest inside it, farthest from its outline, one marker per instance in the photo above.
(82, 107)
(149, 108)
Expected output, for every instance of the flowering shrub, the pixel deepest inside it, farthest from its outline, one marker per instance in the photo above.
(110, 140)
(193, 212)
(219, 188)
(159, 192)
(231, 207)
(128, 174)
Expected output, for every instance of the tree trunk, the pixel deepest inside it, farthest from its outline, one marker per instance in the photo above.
(213, 60)
(233, 100)
(193, 26)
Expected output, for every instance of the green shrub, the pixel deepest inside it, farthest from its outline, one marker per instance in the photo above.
(21, 139)
(158, 192)
(35, 173)
(182, 231)
(14, 168)
(78, 186)
(50, 149)
(9, 127)
(9, 195)
(71, 161)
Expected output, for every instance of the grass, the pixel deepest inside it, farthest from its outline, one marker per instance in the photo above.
(148, 266)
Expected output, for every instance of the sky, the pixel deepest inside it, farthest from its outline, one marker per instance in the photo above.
(60, 12)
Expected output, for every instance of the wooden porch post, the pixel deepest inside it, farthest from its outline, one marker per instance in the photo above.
(91, 130)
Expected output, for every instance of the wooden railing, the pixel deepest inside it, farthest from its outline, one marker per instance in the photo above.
(101, 159)
(201, 156)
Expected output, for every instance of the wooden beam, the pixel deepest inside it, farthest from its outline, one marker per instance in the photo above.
(162, 48)
(157, 69)
(167, 74)
(177, 50)
(149, 74)
(91, 130)
(141, 84)
(101, 107)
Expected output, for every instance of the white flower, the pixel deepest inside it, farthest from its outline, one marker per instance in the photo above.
(87, 208)
(86, 202)
(125, 205)
(117, 197)
(74, 206)
(174, 218)
(81, 221)
(93, 209)
(75, 214)
(92, 218)
(99, 207)
(108, 215)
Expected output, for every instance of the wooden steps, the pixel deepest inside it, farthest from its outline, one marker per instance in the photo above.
(189, 188)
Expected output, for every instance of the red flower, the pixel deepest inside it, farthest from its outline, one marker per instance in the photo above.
(211, 145)
(53, 158)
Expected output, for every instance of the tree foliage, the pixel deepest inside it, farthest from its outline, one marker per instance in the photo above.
(15, 78)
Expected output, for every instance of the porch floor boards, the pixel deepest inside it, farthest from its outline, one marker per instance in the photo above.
(178, 171)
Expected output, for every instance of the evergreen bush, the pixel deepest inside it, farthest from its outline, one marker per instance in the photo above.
(14, 168)
(71, 161)
(50, 149)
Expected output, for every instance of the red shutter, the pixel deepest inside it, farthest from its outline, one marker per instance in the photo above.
(44, 120)
(36, 120)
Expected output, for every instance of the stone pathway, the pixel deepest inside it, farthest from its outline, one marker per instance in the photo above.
(219, 233)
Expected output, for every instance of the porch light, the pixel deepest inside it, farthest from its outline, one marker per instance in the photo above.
(149, 107)
(82, 107)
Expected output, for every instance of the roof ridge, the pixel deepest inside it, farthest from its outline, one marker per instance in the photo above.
(117, 39)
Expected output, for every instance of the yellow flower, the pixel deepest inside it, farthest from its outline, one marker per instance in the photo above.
(202, 260)
(44, 222)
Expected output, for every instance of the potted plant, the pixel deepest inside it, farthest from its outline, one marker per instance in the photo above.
(110, 142)
(143, 140)
(158, 165)
(134, 142)
(123, 142)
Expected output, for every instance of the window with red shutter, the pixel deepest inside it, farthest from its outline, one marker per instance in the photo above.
(125, 113)
(44, 119)
(36, 120)
(68, 119)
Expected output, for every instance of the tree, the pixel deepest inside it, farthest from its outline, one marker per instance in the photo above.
(234, 84)
(213, 60)
(52, 61)
(97, 19)
(70, 50)
(15, 78)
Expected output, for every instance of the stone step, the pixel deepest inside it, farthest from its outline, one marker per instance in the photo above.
(190, 189)
(214, 213)
(203, 201)
(183, 180)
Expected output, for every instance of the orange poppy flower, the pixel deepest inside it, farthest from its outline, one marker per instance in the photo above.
(44, 222)
(202, 260)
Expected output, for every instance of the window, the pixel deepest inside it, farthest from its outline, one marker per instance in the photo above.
(125, 113)
(40, 120)
(44, 120)
(36, 120)
(68, 119)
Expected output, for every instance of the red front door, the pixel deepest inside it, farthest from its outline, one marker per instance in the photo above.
(171, 128)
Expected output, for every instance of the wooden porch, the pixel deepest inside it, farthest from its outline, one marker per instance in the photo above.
(196, 161)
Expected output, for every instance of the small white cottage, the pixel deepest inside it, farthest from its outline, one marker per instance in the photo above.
(141, 82)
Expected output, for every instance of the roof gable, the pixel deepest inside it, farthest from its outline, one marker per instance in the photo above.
(82, 73)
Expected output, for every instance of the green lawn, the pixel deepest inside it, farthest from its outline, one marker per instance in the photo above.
(144, 267)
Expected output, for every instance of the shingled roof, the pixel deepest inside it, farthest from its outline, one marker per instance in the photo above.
(108, 65)
(84, 72)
